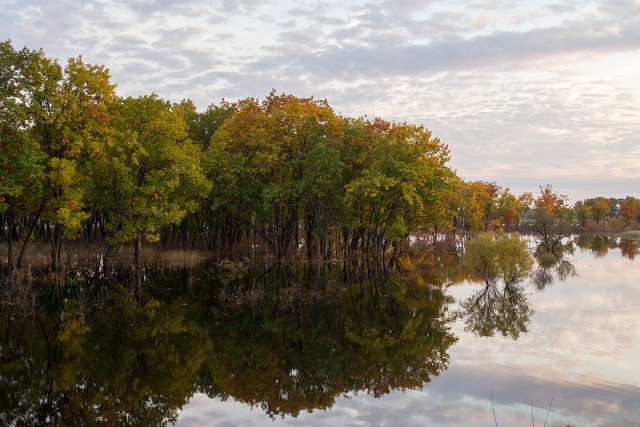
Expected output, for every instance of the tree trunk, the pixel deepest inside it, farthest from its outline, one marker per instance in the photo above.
(56, 248)
(327, 218)
(138, 268)
(27, 237)
(10, 238)
(316, 221)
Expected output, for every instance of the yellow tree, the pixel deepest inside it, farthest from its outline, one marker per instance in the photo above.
(480, 204)
(583, 213)
(68, 112)
(599, 208)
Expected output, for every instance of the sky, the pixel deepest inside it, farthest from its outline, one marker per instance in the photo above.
(524, 93)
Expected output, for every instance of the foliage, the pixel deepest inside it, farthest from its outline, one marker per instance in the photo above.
(285, 174)
(491, 258)
(147, 175)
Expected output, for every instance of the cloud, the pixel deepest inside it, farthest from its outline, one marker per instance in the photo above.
(525, 92)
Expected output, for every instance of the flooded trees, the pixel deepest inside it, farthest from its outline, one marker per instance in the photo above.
(147, 175)
(504, 259)
(290, 163)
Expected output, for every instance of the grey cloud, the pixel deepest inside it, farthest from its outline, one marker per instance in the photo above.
(238, 6)
(127, 42)
(147, 8)
(458, 53)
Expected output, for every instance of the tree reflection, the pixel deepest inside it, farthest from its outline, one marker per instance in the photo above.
(288, 355)
(129, 366)
(494, 309)
(629, 248)
(551, 266)
(284, 338)
(600, 245)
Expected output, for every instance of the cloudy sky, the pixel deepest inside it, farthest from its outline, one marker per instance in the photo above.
(524, 93)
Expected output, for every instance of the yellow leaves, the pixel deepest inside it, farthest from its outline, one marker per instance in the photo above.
(62, 172)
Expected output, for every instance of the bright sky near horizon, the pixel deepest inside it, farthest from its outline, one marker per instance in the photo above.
(524, 93)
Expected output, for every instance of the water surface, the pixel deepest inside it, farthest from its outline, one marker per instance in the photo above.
(357, 344)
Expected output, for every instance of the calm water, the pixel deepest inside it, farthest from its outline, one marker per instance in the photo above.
(353, 346)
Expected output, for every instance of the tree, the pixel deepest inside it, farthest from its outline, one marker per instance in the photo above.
(525, 201)
(503, 258)
(402, 180)
(259, 158)
(629, 209)
(583, 213)
(508, 209)
(21, 160)
(599, 209)
(68, 113)
(551, 202)
(480, 204)
(147, 175)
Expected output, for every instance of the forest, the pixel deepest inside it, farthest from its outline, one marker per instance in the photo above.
(283, 176)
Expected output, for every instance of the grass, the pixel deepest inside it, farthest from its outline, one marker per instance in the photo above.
(77, 255)
(631, 234)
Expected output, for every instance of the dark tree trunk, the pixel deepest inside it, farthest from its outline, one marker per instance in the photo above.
(138, 268)
(27, 237)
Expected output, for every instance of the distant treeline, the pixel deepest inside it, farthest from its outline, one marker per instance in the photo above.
(78, 161)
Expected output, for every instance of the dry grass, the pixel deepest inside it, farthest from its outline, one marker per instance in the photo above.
(78, 255)
(631, 234)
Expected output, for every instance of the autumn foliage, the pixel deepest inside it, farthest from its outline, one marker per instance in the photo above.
(286, 176)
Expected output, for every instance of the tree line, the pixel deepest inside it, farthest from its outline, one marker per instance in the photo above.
(79, 161)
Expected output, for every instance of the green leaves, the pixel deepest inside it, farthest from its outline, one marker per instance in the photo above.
(491, 258)
(147, 175)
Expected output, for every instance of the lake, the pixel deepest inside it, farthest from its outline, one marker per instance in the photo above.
(357, 344)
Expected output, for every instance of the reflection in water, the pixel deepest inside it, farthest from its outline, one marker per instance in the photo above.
(290, 339)
(306, 338)
(629, 248)
(308, 342)
(127, 366)
(501, 304)
(600, 245)
(551, 267)
(492, 310)
(552, 264)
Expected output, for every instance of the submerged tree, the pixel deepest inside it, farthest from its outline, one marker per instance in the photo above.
(491, 258)
(505, 259)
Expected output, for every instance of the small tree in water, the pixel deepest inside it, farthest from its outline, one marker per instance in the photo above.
(497, 308)
(505, 257)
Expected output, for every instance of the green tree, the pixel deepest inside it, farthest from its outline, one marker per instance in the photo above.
(583, 213)
(258, 159)
(68, 114)
(503, 258)
(148, 174)
(399, 188)
(21, 160)
(508, 209)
